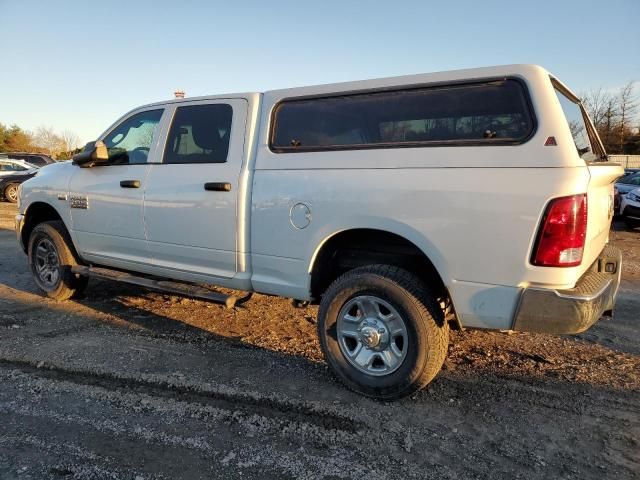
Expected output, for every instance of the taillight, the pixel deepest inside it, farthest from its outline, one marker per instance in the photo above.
(561, 238)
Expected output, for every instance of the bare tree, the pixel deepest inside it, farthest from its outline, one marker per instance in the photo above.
(70, 140)
(598, 104)
(602, 107)
(609, 121)
(47, 139)
(627, 105)
(614, 114)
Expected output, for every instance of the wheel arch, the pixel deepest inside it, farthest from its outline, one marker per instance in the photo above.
(351, 248)
(36, 213)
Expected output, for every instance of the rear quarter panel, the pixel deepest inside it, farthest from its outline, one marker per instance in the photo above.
(474, 211)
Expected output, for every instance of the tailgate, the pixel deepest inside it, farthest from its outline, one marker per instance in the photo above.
(602, 174)
(600, 208)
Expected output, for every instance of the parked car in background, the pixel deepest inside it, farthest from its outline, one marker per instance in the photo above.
(623, 186)
(630, 208)
(37, 159)
(10, 167)
(630, 171)
(9, 185)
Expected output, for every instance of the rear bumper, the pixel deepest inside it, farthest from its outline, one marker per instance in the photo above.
(576, 309)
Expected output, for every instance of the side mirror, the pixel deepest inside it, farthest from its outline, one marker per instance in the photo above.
(94, 153)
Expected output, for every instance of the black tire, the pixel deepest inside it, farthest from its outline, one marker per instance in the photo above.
(427, 332)
(11, 193)
(60, 283)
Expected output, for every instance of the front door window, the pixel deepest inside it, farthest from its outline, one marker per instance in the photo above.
(130, 142)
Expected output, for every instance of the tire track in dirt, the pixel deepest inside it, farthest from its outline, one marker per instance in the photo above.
(263, 405)
(253, 443)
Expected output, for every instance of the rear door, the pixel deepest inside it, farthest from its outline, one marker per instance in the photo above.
(191, 199)
(603, 174)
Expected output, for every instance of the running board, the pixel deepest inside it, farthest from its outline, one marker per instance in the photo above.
(186, 289)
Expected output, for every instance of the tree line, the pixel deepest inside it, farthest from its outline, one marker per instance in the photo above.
(615, 116)
(59, 145)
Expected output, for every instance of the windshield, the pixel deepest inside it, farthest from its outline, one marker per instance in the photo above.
(633, 179)
(584, 137)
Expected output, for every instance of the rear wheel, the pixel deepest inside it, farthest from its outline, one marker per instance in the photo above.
(382, 331)
(51, 258)
(11, 192)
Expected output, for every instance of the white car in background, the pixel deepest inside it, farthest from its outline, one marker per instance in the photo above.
(10, 166)
(630, 208)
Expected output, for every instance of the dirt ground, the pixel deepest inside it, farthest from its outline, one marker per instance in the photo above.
(131, 384)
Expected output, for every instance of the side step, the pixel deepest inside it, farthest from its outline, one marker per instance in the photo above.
(186, 289)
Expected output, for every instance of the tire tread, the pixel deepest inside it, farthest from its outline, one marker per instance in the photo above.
(71, 284)
(429, 310)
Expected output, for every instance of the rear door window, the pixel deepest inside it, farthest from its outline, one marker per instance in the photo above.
(199, 134)
(481, 113)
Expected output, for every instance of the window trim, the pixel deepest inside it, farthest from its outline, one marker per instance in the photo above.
(415, 144)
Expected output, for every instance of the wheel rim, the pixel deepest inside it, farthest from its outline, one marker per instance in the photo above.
(372, 335)
(12, 193)
(47, 262)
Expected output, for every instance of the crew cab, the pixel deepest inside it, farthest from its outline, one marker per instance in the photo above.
(404, 206)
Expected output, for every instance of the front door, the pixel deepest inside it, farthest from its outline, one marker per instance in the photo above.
(191, 199)
(106, 201)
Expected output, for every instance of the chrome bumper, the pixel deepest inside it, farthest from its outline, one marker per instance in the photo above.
(19, 224)
(576, 309)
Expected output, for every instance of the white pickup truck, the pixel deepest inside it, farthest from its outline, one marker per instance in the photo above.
(404, 206)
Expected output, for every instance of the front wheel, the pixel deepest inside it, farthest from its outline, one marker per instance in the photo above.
(51, 258)
(382, 332)
(11, 193)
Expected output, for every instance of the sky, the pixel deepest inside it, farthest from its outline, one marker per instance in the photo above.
(79, 65)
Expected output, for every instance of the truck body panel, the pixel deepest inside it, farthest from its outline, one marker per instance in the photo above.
(474, 211)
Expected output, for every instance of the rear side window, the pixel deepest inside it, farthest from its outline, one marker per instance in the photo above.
(11, 167)
(32, 159)
(199, 134)
(470, 114)
(579, 131)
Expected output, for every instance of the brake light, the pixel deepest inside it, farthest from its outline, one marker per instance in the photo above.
(561, 238)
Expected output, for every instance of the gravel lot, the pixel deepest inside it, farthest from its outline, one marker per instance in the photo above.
(127, 383)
